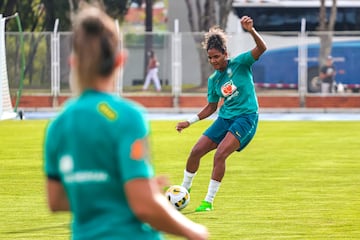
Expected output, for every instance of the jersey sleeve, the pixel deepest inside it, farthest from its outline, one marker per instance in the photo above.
(245, 58)
(212, 96)
(49, 152)
(133, 147)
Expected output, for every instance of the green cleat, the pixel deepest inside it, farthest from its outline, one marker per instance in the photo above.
(204, 207)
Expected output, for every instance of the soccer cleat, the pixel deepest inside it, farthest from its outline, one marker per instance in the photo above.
(204, 206)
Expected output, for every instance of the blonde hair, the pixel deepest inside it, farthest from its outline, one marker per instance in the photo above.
(95, 45)
(215, 38)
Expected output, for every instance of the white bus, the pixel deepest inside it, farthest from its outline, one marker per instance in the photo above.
(279, 22)
(286, 15)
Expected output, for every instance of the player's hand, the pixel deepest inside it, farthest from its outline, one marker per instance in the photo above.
(163, 182)
(247, 23)
(182, 125)
(199, 232)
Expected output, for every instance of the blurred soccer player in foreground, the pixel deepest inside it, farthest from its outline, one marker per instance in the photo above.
(96, 151)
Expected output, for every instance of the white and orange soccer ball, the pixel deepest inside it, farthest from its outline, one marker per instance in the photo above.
(178, 196)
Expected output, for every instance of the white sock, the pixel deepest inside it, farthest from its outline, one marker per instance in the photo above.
(187, 180)
(212, 190)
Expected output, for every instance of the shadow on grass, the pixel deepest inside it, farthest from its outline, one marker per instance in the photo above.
(37, 229)
(190, 212)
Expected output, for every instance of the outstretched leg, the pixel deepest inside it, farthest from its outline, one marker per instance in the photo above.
(202, 147)
(227, 146)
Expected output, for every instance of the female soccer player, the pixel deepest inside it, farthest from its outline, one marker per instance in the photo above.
(238, 116)
(96, 151)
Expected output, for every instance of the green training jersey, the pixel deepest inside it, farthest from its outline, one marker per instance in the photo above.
(236, 86)
(97, 144)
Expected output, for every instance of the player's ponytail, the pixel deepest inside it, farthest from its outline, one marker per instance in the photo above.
(95, 45)
(107, 56)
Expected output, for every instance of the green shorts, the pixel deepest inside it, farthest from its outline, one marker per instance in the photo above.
(243, 128)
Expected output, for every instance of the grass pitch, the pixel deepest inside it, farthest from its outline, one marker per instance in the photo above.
(296, 180)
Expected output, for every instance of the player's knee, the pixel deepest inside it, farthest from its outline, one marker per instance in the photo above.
(221, 154)
(198, 151)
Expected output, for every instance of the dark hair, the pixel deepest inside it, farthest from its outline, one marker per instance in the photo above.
(151, 53)
(95, 43)
(215, 38)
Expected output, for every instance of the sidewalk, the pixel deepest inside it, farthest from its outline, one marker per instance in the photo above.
(265, 114)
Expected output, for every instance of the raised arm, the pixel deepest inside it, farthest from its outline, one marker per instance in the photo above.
(260, 48)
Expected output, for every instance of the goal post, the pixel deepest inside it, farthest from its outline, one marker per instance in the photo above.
(6, 108)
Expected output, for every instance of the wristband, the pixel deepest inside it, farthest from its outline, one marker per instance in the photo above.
(193, 119)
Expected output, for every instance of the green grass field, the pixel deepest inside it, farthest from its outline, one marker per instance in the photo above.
(296, 180)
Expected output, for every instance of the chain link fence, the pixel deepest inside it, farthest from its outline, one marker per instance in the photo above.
(182, 61)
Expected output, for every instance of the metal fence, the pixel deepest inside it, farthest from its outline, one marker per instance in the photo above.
(179, 54)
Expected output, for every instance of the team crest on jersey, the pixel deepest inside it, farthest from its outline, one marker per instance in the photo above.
(228, 89)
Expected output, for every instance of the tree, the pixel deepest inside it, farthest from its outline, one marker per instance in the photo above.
(32, 14)
(208, 13)
(32, 18)
(148, 28)
(326, 28)
(57, 10)
(117, 8)
(40, 15)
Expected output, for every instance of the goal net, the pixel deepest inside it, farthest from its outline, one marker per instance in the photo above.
(6, 109)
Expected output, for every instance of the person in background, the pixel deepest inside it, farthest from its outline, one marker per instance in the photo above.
(238, 116)
(327, 76)
(96, 152)
(152, 72)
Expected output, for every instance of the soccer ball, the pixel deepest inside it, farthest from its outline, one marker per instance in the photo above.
(178, 196)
